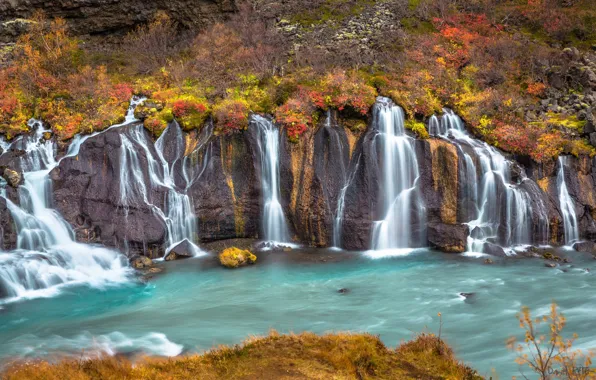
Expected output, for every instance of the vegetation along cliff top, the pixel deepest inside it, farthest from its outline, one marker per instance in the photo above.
(522, 74)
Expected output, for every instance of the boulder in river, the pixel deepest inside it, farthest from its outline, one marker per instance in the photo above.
(141, 262)
(450, 238)
(182, 250)
(585, 246)
(234, 257)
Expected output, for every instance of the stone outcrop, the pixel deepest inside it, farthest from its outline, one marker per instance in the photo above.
(182, 250)
(87, 193)
(110, 16)
(8, 231)
(222, 177)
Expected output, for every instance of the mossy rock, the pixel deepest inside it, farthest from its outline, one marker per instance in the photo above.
(235, 257)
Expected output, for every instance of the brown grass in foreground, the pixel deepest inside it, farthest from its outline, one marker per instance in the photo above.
(302, 356)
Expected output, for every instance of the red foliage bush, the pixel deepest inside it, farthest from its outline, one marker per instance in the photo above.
(231, 115)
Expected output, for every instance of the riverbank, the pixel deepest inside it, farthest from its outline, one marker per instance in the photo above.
(307, 355)
(197, 304)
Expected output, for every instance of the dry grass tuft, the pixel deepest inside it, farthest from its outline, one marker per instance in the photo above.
(301, 356)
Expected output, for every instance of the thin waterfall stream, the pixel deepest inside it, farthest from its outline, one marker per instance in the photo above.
(274, 223)
(567, 206)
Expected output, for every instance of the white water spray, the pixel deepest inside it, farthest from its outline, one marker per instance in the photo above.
(47, 257)
(399, 175)
(567, 206)
(274, 221)
(485, 183)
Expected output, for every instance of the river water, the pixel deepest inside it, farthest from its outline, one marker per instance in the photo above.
(195, 305)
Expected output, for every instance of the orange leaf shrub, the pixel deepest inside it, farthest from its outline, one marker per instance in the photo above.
(231, 115)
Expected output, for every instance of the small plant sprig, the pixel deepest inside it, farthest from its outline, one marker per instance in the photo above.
(549, 354)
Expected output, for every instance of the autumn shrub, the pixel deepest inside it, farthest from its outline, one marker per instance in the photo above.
(150, 47)
(546, 351)
(417, 127)
(231, 115)
(341, 90)
(190, 111)
(296, 115)
(50, 80)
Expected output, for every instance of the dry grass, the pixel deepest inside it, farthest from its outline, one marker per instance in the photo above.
(303, 356)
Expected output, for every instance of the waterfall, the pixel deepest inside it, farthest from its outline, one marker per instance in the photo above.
(346, 178)
(78, 140)
(147, 170)
(501, 211)
(339, 213)
(47, 256)
(274, 220)
(567, 206)
(399, 175)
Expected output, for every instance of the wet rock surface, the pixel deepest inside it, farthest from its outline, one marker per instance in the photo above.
(222, 178)
(8, 230)
(448, 238)
(87, 192)
(182, 250)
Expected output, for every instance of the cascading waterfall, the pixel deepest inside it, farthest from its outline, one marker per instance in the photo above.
(141, 177)
(487, 179)
(567, 206)
(274, 221)
(47, 256)
(78, 140)
(399, 176)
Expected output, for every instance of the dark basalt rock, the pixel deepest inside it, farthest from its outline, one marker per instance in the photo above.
(585, 246)
(141, 262)
(493, 249)
(361, 198)
(448, 238)
(112, 16)
(183, 250)
(10, 167)
(225, 189)
(8, 231)
(87, 194)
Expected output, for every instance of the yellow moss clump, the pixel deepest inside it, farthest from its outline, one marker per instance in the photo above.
(235, 257)
(417, 127)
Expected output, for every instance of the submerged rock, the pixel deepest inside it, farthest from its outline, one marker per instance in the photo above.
(141, 262)
(585, 246)
(234, 257)
(183, 250)
(494, 250)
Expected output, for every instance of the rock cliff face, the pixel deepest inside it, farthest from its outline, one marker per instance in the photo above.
(113, 16)
(221, 176)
